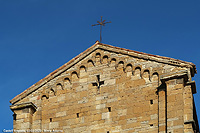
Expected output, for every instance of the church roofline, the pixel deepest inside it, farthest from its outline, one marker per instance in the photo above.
(107, 47)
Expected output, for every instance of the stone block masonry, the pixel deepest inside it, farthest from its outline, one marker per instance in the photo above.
(107, 89)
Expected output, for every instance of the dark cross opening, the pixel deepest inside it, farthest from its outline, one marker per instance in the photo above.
(98, 83)
(102, 23)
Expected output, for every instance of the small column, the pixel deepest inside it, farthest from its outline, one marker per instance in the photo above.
(189, 109)
(162, 108)
(22, 117)
(175, 105)
(175, 100)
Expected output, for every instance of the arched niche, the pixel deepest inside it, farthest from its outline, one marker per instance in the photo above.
(105, 59)
(120, 66)
(82, 71)
(146, 75)
(155, 77)
(59, 86)
(113, 62)
(67, 83)
(137, 73)
(98, 58)
(74, 76)
(44, 97)
(90, 63)
(52, 92)
(129, 69)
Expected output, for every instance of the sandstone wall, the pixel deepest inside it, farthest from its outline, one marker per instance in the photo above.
(108, 92)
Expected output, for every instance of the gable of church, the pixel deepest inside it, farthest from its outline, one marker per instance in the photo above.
(103, 80)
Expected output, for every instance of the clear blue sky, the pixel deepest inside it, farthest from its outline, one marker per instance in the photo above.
(38, 36)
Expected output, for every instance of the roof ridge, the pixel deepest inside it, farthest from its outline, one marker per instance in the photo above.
(158, 56)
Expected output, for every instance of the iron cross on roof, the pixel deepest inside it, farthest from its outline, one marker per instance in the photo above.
(102, 23)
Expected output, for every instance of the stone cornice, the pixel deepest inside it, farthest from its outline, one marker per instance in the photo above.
(173, 75)
(193, 124)
(193, 86)
(23, 105)
(98, 45)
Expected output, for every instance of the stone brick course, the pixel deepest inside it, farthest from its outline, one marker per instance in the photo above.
(109, 89)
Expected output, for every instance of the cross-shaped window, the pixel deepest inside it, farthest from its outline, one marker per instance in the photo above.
(98, 83)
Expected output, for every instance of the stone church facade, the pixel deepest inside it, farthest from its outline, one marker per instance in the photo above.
(107, 89)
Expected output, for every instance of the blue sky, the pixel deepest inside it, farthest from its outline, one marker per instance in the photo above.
(38, 36)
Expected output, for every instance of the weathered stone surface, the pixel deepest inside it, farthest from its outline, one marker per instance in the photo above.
(110, 89)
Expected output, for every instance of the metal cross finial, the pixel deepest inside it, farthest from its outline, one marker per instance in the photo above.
(102, 23)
